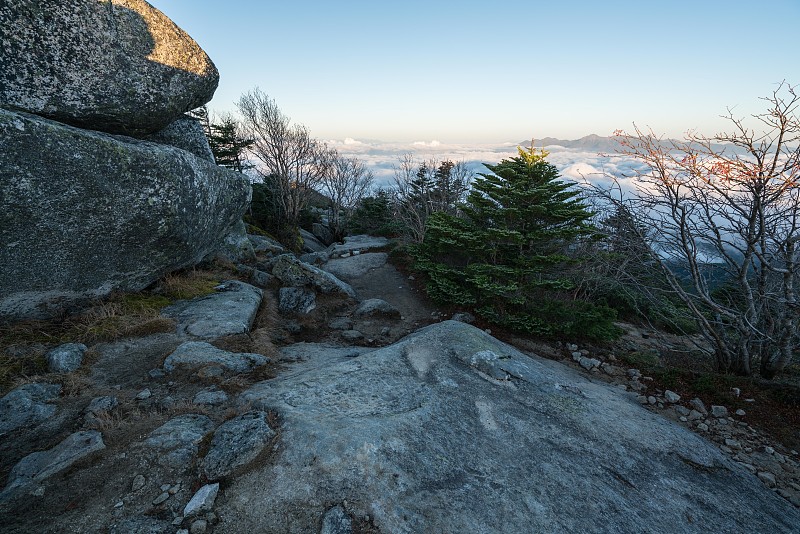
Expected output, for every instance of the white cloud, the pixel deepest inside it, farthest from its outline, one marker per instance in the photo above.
(382, 157)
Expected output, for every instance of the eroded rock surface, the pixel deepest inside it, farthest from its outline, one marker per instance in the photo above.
(450, 430)
(119, 66)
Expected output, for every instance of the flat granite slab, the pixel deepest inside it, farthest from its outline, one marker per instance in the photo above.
(230, 311)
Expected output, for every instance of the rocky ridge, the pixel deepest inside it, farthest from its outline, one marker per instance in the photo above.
(445, 429)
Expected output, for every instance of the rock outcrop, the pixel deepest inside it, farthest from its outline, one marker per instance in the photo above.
(119, 66)
(83, 213)
(451, 430)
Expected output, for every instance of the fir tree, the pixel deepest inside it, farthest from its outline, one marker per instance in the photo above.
(508, 256)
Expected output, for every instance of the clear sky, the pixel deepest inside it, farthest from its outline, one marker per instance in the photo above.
(481, 72)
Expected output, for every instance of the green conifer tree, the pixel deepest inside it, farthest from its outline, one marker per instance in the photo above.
(508, 256)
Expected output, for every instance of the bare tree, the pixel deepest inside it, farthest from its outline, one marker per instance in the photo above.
(727, 208)
(427, 187)
(346, 183)
(292, 163)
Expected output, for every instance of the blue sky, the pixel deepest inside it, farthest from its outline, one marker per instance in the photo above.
(492, 72)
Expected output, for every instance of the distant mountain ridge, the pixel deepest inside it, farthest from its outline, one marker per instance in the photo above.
(609, 145)
(591, 142)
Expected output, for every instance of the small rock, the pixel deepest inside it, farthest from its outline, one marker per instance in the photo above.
(155, 374)
(160, 499)
(733, 444)
(589, 363)
(671, 396)
(292, 326)
(683, 419)
(352, 335)
(703, 427)
(119, 504)
(740, 412)
(199, 526)
(210, 397)
(66, 358)
(698, 405)
(651, 400)
(642, 399)
(336, 521)
(27, 405)
(165, 487)
(463, 317)
(340, 323)
(144, 394)
(577, 355)
(377, 308)
(177, 439)
(736, 392)
(202, 501)
(571, 347)
(138, 482)
(767, 478)
(167, 402)
(298, 300)
(633, 373)
(385, 331)
(719, 411)
(236, 443)
(101, 404)
(174, 489)
(694, 415)
(40, 465)
(682, 410)
(769, 450)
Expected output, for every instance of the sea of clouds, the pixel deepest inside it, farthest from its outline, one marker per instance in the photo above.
(573, 163)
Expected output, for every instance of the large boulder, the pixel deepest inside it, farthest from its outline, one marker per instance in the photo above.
(117, 66)
(83, 213)
(451, 430)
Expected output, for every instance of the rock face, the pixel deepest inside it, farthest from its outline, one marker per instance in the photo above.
(377, 308)
(450, 430)
(83, 213)
(119, 66)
